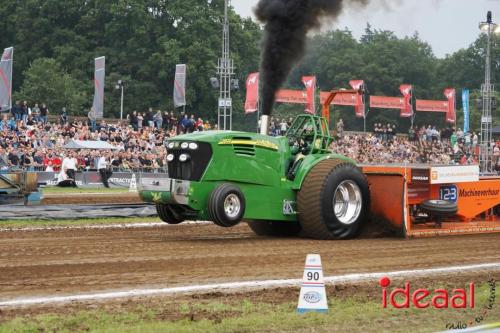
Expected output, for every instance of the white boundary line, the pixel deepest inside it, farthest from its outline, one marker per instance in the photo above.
(348, 278)
(97, 226)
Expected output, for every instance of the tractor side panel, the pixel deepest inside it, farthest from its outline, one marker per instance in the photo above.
(253, 165)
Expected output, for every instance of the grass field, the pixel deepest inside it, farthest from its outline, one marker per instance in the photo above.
(360, 312)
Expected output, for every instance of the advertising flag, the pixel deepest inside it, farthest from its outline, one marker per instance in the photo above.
(383, 102)
(252, 99)
(406, 91)
(465, 105)
(290, 96)
(99, 74)
(180, 85)
(359, 107)
(451, 116)
(431, 106)
(6, 79)
(347, 99)
(310, 84)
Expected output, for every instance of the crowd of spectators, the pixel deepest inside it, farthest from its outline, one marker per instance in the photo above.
(426, 144)
(28, 140)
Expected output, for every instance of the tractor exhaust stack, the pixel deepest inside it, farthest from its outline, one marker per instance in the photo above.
(264, 124)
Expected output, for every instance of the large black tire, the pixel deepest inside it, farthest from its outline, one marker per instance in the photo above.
(439, 208)
(169, 214)
(275, 228)
(232, 196)
(315, 200)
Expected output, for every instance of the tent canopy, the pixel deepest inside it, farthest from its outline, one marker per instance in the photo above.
(80, 144)
(496, 130)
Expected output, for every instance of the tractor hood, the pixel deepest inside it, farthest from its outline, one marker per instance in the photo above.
(218, 136)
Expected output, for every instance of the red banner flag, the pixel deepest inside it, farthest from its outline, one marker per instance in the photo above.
(359, 107)
(310, 84)
(291, 96)
(406, 91)
(431, 106)
(451, 116)
(252, 99)
(383, 102)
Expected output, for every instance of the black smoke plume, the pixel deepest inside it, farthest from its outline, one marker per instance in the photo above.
(286, 25)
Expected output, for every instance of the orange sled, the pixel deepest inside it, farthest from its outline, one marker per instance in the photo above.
(423, 201)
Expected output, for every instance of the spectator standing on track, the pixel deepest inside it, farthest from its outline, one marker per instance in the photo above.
(4, 160)
(158, 119)
(64, 116)
(340, 128)
(149, 118)
(25, 111)
(16, 111)
(35, 112)
(92, 119)
(104, 171)
(44, 113)
(69, 166)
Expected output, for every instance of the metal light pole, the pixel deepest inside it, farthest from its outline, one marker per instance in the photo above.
(487, 91)
(225, 69)
(120, 85)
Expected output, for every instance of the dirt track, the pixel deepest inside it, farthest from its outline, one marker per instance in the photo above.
(45, 262)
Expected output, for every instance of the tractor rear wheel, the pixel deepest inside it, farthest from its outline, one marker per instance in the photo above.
(275, 228)
(169, 214)
(334, 200)
(226, 205)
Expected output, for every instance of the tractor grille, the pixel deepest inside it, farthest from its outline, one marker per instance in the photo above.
(192, 169)
(244, 150)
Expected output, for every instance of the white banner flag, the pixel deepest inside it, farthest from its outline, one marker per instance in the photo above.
(99, 74)
(6, 79)
(180, 85)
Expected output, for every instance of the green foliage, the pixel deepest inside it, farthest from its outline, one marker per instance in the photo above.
(142, 40)
(46, 82)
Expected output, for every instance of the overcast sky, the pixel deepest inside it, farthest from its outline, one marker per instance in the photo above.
(447, 25)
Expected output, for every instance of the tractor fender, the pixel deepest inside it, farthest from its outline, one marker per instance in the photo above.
(310, 161)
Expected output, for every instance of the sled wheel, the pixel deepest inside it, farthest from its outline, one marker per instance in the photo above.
(169, 214)
(275, 228)
(440, 208)
(334, 200)
(226, 205)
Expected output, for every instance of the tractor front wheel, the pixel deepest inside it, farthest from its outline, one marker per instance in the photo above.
(169, 214)
(226, 205)
(275, 228)
(334, 200)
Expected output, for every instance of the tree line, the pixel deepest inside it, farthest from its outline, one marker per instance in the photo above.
(56, 42)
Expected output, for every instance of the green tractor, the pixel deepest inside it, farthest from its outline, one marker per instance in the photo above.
(282, 186)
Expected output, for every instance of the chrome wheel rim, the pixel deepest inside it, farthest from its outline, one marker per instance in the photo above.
(232, 205)
(347, 202)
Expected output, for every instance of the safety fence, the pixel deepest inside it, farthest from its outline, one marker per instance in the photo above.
(92, 179)
(114, 169)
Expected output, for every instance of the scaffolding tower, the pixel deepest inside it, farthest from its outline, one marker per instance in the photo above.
(225, 70)
(487, 92)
